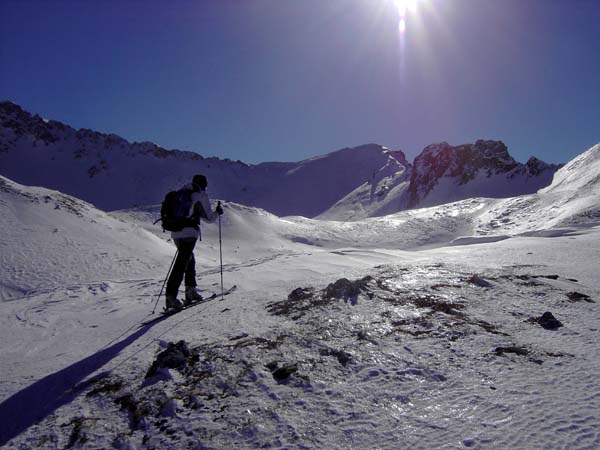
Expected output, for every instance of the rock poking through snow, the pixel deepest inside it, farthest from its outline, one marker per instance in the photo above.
(547, 321)
(346, 289)
(176, 356)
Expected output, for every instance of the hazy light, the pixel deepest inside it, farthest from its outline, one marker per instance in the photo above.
(405, 6)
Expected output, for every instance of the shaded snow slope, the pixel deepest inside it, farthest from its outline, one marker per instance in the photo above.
(382, 194)
(50, 239)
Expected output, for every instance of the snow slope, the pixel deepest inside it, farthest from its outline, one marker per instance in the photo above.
(429, 346)
(382, 194)
(50, 239)
(573, 199)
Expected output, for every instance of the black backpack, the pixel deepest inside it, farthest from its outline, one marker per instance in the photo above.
(175, 209)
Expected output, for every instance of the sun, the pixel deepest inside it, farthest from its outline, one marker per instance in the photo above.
(405, 6)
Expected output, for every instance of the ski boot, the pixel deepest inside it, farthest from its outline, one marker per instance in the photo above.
(173, 303)
(192, 296)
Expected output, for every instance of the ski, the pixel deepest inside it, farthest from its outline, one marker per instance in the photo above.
(171, 312)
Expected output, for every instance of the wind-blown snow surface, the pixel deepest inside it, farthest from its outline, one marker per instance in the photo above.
(438, 348)
(51, 239)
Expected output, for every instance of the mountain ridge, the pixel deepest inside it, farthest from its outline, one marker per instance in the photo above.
(347, 184)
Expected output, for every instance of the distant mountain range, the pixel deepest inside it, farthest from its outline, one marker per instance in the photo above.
(348, 184)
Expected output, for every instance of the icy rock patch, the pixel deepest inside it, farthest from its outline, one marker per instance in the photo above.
(346, 289)
(302, 299)
(176, 356)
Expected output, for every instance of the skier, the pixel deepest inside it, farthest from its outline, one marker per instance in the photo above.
(185, 241)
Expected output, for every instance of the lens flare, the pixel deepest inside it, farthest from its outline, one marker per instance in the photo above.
(405, 9)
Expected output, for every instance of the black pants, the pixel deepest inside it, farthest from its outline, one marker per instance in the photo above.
(185, 263)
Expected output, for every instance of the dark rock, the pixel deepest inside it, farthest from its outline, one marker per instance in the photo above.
(346, 289)
(343, 357)
(547, 321)
(478, 281)
(550, 277)
(107, 386)
(511, 349)
(281, 374)
(300, 294)
(579, 297)
(176, 356)
(272, 366)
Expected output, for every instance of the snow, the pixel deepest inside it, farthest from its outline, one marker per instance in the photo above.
(439, 348)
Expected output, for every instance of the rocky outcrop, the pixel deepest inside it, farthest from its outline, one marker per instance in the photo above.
(487, 162)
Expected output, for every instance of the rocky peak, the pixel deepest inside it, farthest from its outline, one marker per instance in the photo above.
(22, 123)
(399, 156)
(464, 163)
(536, 166)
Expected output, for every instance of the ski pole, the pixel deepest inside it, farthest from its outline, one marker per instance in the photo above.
(221, 253)
(165, 282)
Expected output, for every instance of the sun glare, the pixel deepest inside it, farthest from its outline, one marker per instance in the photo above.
(405, 6)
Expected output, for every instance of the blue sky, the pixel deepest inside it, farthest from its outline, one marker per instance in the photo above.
(264, 80)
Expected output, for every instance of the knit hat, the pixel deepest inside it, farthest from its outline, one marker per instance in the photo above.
(200, 181)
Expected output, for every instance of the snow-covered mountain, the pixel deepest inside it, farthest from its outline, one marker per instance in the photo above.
(443, 174)
(112, 173)
(347, 184)
(338, 336)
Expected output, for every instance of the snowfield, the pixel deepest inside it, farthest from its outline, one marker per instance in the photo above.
(467, 325)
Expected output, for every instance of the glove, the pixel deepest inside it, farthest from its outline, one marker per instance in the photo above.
(219, 209)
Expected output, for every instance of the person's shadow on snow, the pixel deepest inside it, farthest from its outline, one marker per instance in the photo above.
(42, 398)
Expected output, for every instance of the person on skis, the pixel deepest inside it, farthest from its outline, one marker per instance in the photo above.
(185, 241)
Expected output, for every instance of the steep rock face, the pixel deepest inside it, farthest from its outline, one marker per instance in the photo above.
(443, 173)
